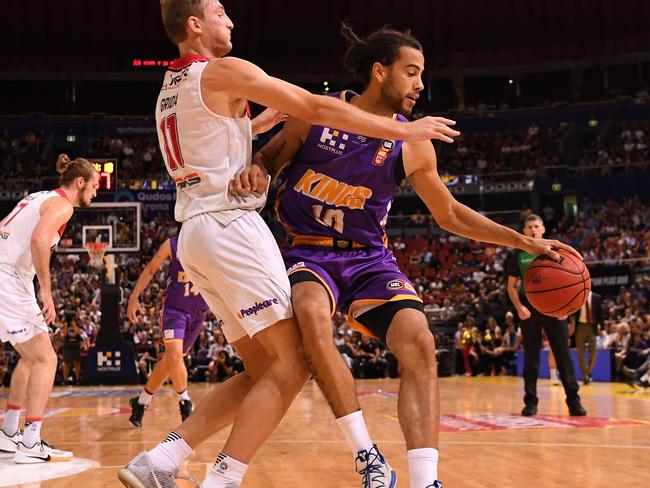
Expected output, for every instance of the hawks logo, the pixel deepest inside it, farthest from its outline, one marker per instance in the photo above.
(383, 152)
(187, 181)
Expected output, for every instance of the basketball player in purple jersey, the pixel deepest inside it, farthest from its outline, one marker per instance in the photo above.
(335, 203)
(182, 318)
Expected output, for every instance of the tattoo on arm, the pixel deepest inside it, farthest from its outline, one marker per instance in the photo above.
(271, 161)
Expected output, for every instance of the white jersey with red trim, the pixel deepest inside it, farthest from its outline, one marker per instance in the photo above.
(16, 231)
(202, 150)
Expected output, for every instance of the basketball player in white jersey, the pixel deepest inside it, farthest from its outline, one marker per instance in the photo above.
(224, 246)
(27, 236)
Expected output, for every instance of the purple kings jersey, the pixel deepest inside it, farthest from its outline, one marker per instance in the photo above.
(341, 185)
(181, 294)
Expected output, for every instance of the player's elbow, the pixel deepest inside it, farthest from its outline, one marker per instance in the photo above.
(446, 218)
(318, 110)
(38, 242)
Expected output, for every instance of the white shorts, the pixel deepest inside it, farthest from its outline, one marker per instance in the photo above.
(239, 271)
(21, 317)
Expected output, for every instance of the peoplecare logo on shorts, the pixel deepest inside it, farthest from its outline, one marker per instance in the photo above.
(258, 307)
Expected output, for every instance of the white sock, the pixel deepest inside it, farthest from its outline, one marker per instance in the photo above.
(184, 395)
(145, 397)
(170, 453)
(645, 377)
(11, 422)
(423, 466)
(356, 432)
(553, 374)
(32, 433)
(225, 471)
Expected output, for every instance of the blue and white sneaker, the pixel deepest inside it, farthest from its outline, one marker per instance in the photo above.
(374, 470)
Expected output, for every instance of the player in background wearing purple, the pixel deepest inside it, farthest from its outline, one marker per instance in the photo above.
(184, 312)
(183, 317)
(335, 203)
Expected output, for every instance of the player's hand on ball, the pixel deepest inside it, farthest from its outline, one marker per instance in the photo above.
(523, 312)
(428, 128)
(48, 310)
(253, 180)
(133, 308)
(548, 247)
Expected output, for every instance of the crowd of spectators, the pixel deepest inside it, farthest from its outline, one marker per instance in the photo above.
(506, 151)
(460, 281)
(629, 144)
(489, 154)
(30, 157)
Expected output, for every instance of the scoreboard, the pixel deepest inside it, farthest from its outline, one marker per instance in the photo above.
(107, 169)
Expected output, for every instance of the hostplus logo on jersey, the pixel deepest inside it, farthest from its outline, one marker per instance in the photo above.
(333, 141)
(258, 307)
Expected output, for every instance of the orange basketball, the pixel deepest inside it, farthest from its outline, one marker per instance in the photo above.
(557, 288)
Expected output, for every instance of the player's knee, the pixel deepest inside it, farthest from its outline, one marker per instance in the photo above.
(45, 357)
(173, 356)
(315, 326)
(416, 351)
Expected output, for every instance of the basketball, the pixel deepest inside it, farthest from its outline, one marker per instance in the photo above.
(557, 288)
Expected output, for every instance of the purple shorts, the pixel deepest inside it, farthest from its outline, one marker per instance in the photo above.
(183, 326)
(363, 277)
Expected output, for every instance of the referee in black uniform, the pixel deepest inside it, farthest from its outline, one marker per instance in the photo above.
(532, 323)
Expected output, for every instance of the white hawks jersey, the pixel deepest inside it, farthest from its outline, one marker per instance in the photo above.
(202, 150)
(16, 231)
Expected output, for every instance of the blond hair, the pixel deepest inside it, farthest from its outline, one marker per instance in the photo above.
(71, 169)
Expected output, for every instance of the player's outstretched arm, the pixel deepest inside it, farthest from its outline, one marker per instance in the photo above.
(243, 80)
(420, 164)
(164, 253)
(55, 213)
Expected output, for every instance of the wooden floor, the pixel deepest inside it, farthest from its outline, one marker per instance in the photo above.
(484, 442)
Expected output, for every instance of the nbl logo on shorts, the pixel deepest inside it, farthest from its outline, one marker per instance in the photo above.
(400, 285)
(258, 307)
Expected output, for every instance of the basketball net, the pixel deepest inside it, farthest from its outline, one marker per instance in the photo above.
(96, 251)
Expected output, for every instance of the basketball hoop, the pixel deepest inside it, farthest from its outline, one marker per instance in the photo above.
(96, 251)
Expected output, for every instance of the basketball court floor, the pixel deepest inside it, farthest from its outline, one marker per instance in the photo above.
(484, 442)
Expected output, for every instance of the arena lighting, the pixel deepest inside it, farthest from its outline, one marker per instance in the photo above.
(510, 81)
